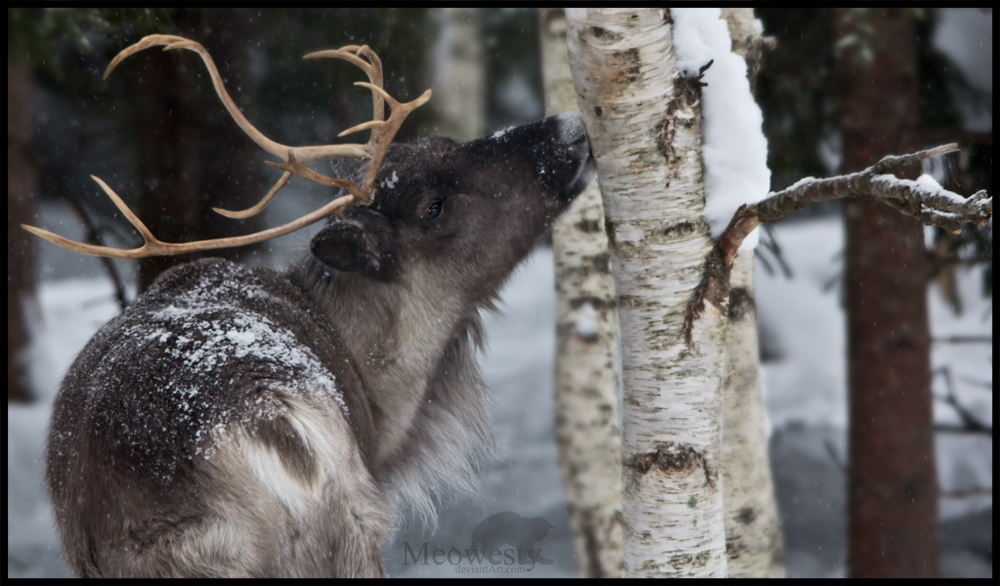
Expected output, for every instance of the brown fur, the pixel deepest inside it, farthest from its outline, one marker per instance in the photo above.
(239, 422)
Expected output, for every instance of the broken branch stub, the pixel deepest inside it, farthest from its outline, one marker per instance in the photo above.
(293, 159)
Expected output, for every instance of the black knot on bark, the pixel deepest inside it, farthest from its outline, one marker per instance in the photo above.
(671, 458)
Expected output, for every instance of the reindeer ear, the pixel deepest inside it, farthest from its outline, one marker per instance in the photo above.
(344, 245)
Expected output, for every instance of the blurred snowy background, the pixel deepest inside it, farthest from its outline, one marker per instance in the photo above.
(802, 339)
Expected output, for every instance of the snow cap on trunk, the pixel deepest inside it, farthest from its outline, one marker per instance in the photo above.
(735, 150)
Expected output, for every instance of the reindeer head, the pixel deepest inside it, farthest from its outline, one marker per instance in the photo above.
(463, 213)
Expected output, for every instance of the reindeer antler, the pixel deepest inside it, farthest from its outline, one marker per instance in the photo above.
(293, 159)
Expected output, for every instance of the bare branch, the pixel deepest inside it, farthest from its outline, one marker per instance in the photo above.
(893, 162)
(968, 493)
(947, 428)
(964, 340)
(934, 207)
(970, 424)
(92, 237)
(834, 457)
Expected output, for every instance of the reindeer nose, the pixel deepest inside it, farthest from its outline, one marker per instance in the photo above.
(573, 134)
(571, 129)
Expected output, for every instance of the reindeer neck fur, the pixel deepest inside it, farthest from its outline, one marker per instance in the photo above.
(414, 349)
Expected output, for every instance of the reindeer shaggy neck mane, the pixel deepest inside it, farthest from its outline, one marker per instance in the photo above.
(418, 365)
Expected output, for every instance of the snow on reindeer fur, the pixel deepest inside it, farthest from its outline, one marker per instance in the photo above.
(200, 336)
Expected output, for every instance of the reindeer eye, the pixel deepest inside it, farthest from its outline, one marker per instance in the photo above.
(434, 210)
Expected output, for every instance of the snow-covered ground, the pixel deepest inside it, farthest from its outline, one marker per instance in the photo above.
(805, 390)
(805, 394)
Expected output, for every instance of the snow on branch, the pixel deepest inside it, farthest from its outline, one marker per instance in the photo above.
(924, 198)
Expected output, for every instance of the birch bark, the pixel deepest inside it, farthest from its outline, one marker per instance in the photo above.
(753, 534)
(460, 75)
(588, 427)
(645, 129)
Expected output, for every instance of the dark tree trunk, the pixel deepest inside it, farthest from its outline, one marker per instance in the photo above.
(893, 523)
(167, 148)
(22, 186)
(192, 155)
(231, 162)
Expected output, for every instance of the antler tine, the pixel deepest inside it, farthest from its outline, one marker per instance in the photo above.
(171, 42)
(260, 205)
(154, 247)
(373, 68)
(396, 118)
(293, 166)
(306, 154)
(383, 131)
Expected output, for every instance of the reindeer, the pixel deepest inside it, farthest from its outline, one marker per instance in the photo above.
(235, 421)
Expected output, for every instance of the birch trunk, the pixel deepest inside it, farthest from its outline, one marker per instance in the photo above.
(753, 533)
(460, 75)
(645, 131)
(588, 428)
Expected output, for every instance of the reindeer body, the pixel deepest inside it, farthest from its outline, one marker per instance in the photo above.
(235, 421)
(204, 431)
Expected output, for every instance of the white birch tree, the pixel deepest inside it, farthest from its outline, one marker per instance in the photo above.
(645, 129)
(587, 424)
(460, 75)
(753, 532)
(672, 252)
